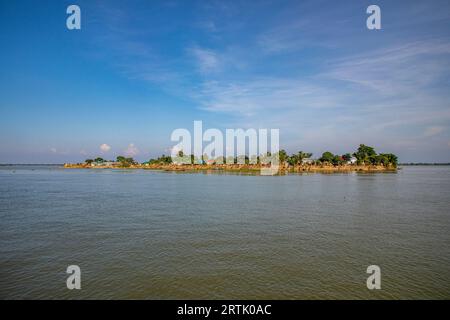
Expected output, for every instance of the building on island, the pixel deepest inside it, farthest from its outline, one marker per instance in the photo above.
(352, 160)
(104, 164)
(307, 161)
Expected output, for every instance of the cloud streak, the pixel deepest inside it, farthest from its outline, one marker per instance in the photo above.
(131, 150)
(207, 60)
(104, 147)
(301, 68)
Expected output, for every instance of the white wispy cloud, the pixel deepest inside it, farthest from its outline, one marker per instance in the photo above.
(432, 131)
(285, 37)
(105, 147)
(131, 150)
(389, 92)
(59, 151)
(370, 97)
(207, 60)
(250, 97)
(398, 79)
(396, 70)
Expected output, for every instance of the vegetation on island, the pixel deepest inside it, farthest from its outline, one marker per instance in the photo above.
(367, 155)
(363, 156)
(120, 161)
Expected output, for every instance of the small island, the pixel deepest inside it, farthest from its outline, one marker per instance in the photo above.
(365, 159)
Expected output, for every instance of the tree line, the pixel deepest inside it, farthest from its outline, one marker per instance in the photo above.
(364, 155)
(123, 161)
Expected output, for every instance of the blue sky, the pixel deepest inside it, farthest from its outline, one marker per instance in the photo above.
(137, 70)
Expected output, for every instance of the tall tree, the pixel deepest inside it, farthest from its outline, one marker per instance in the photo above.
(282, 155)
(337, 160)
(327, 156)
(364, 153)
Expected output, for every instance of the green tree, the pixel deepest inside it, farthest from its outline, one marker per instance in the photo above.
(375, 160)
(99, 160)
(303, 155)
(364, 154)
(327, 156)
(282, 156)
(293, 160)
(337, 160)
(89, 161)
(393, 159)
(389, 159)
(165, 159)
(296, 159)
(347, 157)
(125, 162)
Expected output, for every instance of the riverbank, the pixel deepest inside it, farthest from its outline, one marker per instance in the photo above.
(327, 168)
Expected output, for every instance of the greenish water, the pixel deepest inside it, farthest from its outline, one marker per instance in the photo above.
(156, 235)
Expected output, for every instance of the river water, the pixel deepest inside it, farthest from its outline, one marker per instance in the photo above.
(141, 234)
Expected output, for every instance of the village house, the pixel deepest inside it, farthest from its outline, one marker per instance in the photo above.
(104, 164)
(352, 160)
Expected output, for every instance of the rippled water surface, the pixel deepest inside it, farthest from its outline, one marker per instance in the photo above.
(155, 235)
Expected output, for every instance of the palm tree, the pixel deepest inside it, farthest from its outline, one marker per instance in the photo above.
(282, 155)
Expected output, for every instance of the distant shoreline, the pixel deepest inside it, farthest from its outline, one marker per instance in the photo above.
(244, 168)
(31, 164)
(62, 164)
(424, 164)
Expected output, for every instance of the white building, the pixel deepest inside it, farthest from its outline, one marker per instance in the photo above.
(103, 164)
(352, 160)
(307, 161)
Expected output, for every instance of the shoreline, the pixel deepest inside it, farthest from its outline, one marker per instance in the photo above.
(245, 168)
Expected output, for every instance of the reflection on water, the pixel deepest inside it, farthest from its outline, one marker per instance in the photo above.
(158, 235)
